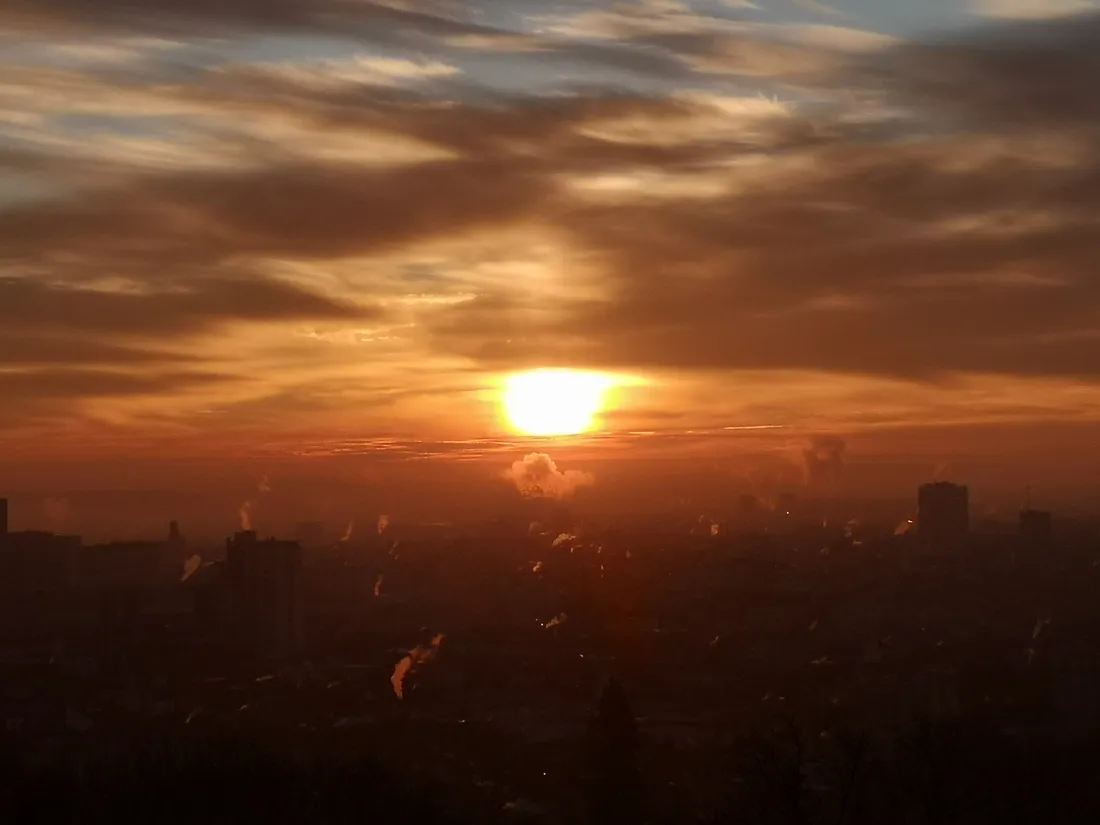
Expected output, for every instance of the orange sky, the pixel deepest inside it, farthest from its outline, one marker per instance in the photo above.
(231, 232)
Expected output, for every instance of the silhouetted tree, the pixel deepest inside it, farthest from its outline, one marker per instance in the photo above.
(614, 784)
(775, 767)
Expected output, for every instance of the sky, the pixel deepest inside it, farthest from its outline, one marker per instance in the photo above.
(264, 232)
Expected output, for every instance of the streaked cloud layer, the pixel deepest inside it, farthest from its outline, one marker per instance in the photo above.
(286, 222)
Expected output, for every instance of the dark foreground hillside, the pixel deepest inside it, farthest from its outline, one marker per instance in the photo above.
(930, 772)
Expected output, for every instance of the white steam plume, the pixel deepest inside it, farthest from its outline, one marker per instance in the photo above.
(537, 476)
(557, 621)
(383, 524)
(378, 584)
(824, 461)
(419, 655)
(347, 533)
(191, 567)
(244, 512)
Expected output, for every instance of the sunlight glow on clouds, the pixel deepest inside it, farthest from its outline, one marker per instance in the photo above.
(1032, 9)
(350, 219)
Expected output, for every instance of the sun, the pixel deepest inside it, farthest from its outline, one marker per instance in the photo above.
(555, 402)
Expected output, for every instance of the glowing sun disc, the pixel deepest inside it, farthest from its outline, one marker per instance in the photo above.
(554, 402)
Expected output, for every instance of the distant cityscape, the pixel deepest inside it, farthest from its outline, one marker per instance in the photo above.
(256, 592)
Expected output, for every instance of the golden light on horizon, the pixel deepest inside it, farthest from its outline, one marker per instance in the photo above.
(555, 402)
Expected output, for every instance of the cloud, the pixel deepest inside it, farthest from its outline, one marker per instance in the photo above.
(425, 24)
(962, 249)
(767, 200)
(31, 306)
(1031, 9)
(342, 73)
(301, 210)
(187, 17)
(537, 476)
(24, 349)
(61, 383)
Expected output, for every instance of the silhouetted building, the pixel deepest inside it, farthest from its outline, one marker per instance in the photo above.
(264, 590)
(37, 562)
(130, 564)
(611, 744)
(1035, 525)
(3, 518)
(943, 511)
(209, 590)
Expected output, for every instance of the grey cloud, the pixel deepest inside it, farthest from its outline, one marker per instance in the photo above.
(25, 349)
(1030, 75)
(425, 23)
(939, 254)
(746, 283)
(213, 16)
(306, 210)
(816, 264)
(61, 383)
(30, 306)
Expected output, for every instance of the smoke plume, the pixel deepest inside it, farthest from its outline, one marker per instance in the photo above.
(347, 533)
(419, 655)
(557, 621)
(383, 523)
(537, 476)
(824, 461)
(244, 512)
(191, 567)
(378, 584)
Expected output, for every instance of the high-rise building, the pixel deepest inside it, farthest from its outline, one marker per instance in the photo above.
(176, 539)
(33, 561)
(264, 583)
(943, 510)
